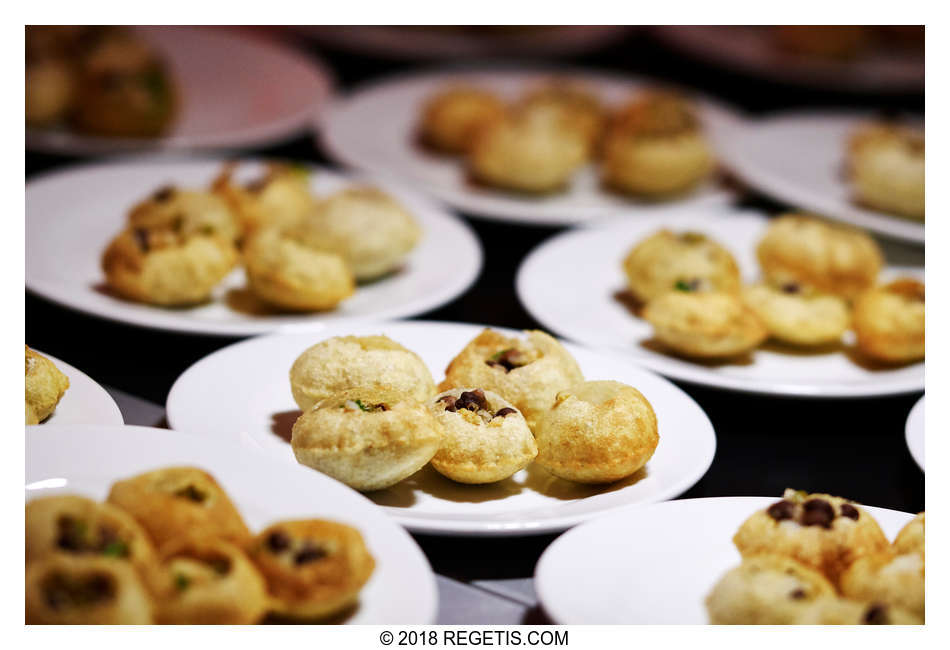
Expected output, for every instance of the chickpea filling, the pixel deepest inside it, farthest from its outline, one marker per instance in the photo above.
(508, 359)
(63, 591)
(811, 512)
(357, 405)
(296, 552)
(191, 493)
(474, 402)
(74, 536)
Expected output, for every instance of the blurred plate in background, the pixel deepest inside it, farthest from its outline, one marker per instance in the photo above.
(914, 432)
(374, 128)
(236, 90)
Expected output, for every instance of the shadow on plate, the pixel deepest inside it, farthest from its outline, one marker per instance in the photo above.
(282, 424)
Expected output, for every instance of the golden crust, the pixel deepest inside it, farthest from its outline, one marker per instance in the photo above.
(798, 316)
(366, 227)
(186, 212)
(294, 276)
(85, 590)
(209, 581)
(175, 502)
(344, 362)
(313, 568)
(45, 386)
(766, 589)
(279, 197)
(657, 264)
(569, 104)
(705, 325)
(842, 611)
(483, 443)
(886, 578)
(818, 530)
(889, 321)
(910, 539)
(367, 438)
(886, 168)
(450, 118)
(597, 432)
(533, 371)
(833, 259)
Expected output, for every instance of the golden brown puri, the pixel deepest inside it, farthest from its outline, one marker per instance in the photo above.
(889, 321)
(367, 438)
(449, 118)
(85, 590)
(843, 611)
(291, 275)
(185, 213)
(344, 362)
(370, 230)
(176, 502)
(597, 432)
(279, 197)
(486, 437)
(528, 372)
(208, 581)
(570, 104)
(821, 531)
(50, 88)
(705, 325)
(655, 147)
(910, 539)
(163, 267)
(666, 261)
(313, 568)
(886, 168)
(896, 580)
(798, 315)
(832, 259)
(524, 151)
(45, 386)
(75, 525)
(766, 589)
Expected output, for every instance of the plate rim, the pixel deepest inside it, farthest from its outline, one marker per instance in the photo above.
(464, 528)
(429, 602)
(699, 376)
(548, 556)
(73, 371)
(916, 421)
(51, 291)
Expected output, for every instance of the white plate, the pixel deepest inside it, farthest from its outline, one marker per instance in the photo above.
(750, 49)
(236, 90)
(914, 432)
(87, 460)
(220, 396)
(72, 215)
(798, 158)
(84, 402)
(374, 128)
(569, 284)
(651, 564)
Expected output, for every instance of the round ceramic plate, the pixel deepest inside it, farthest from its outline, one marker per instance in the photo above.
(798, 158)
(750, 49)
(221, 397)
(235, 90)
(914, 432)
(574, 285)
(72, 215)
(85, 401)
(374, 128)
(87, 460)
(651, 564)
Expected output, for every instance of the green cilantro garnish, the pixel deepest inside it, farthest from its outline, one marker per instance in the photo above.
(182, 581)
(116, 549)
(499, 355)
(363, 407)
(683, 285)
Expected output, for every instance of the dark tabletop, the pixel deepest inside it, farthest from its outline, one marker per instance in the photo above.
(853, 448)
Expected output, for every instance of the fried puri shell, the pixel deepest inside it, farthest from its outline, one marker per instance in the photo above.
(889, 321)
(45, 386)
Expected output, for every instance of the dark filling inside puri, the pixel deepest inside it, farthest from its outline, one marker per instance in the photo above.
(876, 615)
(797, 594)
(279, 542)
(192, 493)
(507, 360)
(690, 237)
(163, 194)
(63, 591)
(791, 287)
(688, 286)
(475, 401)
(74, 536)
(813, 512)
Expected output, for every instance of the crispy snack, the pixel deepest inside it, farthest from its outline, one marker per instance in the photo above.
(486, 437)
(451, 117)
(889, 321)
(832, 259)
(185, 213)
(85, 590)
(366, 227)
(527, 372)
(568, 103)
(175, 502)
(766, 589)
(597, 432)
(345, 362)
(666, 261)
(798, 315)
(705, 325)
(208, 581)
(821, 531)
(910, 539)
(886, 169)
(367, 438)
(896, 580)
(45, 386)
(313, 568)
(279, 197)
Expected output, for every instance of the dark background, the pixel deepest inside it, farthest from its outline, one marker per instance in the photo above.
(853, 448)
